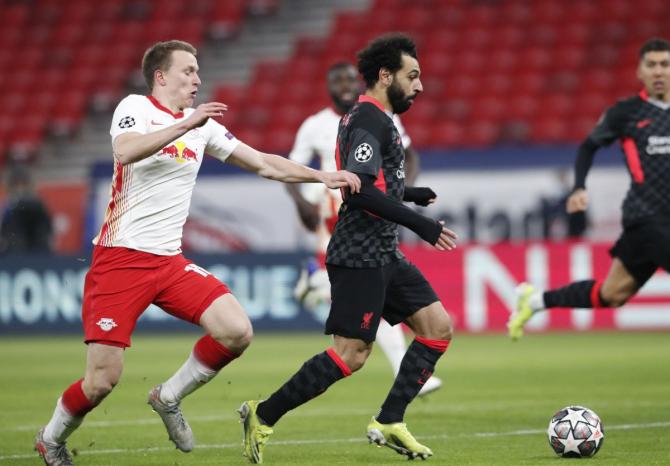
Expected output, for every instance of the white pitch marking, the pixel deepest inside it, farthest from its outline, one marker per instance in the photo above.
(222, 446)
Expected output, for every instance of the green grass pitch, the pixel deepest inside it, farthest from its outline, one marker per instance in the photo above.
(494, 408)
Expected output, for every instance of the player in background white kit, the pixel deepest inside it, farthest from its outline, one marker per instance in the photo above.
(318, 206)
(159, 142)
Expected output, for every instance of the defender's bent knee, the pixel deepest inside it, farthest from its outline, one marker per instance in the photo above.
(353, 352)
(236, 339)
(616, 297)
(104, 366)
(226, 322)
(446, 329)
(97, 387)
(615, 300)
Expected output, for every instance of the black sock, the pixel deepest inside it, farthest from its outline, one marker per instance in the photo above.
(576, 294)
(313, 378)
(416, 367)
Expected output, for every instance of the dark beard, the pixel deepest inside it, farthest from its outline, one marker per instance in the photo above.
(342, 105)
(399, 102)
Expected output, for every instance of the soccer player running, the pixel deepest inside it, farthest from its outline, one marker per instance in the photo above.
(642, 124)
(317, 206)
(369, 276)
(159, 142)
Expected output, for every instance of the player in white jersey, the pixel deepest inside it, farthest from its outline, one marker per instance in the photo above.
(159, 142)
(318, 206)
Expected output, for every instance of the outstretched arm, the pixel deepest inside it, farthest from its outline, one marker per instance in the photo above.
(374, 201)
(583, 162)
(578, 201)
(276, 167)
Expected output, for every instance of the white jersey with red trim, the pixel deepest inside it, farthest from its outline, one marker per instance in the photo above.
(150, 199)
(317, 136)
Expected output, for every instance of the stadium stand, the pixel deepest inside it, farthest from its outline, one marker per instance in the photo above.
(510, 71)
(69, 57)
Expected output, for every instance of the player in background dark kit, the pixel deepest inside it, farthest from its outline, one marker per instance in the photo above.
(369, 276)
(642, 125)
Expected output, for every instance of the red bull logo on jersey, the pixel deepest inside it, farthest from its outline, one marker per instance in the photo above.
(179, 152)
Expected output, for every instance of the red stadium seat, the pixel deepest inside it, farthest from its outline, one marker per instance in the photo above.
(455, 109)
(29, 58)
(482, 133)
(549, 129)
(309, 47)
(10, 36)
(167, 10)
(420, 132)
(504, 61)
(530, 82)
(226, 18)
(534, 58)
(15, 14)
(515, 14)
(41, 103)
(554, 67)
(497, 84)
(82, 77)
(278, 140)
(66, 117)
(288, 117)
(490, 108)
(597, 81)
(230, 95)
(7, 123)
(448, 134)
(523, 106)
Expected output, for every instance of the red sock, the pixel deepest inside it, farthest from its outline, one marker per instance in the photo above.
(437, 345)
(212, 353)
(74, 400)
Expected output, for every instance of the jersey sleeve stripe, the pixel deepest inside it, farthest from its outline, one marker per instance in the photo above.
(380, 182)
(633, 159)
(117, 185)
(122, 203)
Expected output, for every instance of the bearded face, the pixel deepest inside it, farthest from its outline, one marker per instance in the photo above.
(399, 100)
(406, 85)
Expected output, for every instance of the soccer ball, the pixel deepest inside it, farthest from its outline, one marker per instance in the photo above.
(575, 432)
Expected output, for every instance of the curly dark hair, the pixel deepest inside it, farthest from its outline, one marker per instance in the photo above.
(384, 52)
(655, 44)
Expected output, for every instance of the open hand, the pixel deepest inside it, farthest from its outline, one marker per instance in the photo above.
(203, 112)
(447, 239)
(342, 178)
